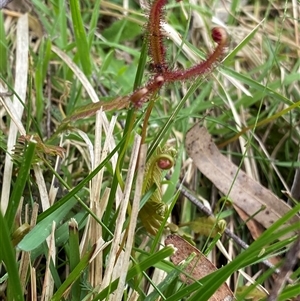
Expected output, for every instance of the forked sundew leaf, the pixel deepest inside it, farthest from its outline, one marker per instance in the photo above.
(245, 192)
(198, 268)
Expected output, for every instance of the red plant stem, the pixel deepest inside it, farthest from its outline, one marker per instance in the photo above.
(219, 36)
(142, 95)
(156, 47)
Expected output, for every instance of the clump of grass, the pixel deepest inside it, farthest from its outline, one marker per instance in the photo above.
(85, 167)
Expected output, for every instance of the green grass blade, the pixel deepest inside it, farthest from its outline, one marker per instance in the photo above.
(136, 270)
(141, 65)
(169, 279)
(59, 210)
(62, 39)
(3, 47)
(94, 20)
(19, 186)
(206, 287)
(74, 255)
(81, 38)
(163, 132)
(73, 276)
(40, 76)
(42, 230)
(258, 87)
(7, 254)
(249, 256)
(231, 56)
(289, 293)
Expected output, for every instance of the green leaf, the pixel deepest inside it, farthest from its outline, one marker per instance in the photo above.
(19, 186)
(81, 38)
(73, 276)
(74, 255)
(3, 46)
(122, 30)
(136, 270)
(7, 254)
(43, 229)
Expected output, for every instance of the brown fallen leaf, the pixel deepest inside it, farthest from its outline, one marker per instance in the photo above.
(255, 228)
(198, 268)
(246, 193)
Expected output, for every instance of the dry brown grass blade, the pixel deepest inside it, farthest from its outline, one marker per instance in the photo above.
(91, 109)
(84, 81)
(25, 256)
(96, 203)
(198, 268)
(112, 271)
(34, 294)
(77, 72)
(44, 197)
(20, 87)
(48, 284)
(133, 221)
(249, 195)
(95, 230)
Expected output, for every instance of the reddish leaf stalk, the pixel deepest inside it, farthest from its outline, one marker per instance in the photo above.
(142, 95)
(219, 36)
(157, 52)
(156, 47)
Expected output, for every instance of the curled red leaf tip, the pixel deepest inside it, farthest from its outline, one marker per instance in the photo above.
(157, 52)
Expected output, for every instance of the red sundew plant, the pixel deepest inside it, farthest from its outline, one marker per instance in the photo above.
(162, 73)
(153, 213)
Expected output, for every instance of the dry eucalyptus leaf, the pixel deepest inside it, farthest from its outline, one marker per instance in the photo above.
(198, 268)
(255, 228)
(246, 193)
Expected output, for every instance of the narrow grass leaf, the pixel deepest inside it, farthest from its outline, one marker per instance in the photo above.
(73, 276)
(231, 56)
(43, 229)
(62, 39)
(169, 279)
(94, 20)
(290, 292)
(136, 270)
(40, 75)
(249, 256)
(74, 257)
(81, 37)
(7, 254)
(162, 133)
(76, 189)
(210, 283)
(257, 86)
(59, 210)
(3, 46)
(141, 66)
(19, 186)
